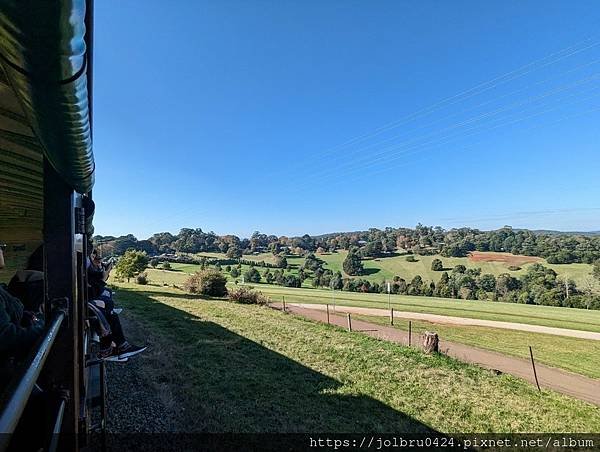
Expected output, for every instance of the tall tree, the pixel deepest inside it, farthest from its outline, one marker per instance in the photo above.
(131, 264)
(352, 265)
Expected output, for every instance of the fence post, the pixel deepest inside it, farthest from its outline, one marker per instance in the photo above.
(534, 371)
(284, 303)
(327, 314)
(392, 316)
(349, 322)
(409, 332)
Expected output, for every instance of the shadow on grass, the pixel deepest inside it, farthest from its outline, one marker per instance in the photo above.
(370, 271)
(232, 384)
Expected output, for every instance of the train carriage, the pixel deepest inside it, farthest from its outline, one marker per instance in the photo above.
(46, 181)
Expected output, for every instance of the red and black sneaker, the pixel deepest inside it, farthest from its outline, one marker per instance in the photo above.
(128, 350)
(111, 354)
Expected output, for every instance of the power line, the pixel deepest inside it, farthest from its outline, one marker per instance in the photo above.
(364, 175)
(456, 113)
(476, 90)
(386, 151)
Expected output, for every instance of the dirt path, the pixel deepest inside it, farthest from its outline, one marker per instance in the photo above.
(449, 320)
(577, 386)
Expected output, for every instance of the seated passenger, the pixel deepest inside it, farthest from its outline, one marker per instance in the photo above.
(28, 286)
(101, 298)
(19, 328)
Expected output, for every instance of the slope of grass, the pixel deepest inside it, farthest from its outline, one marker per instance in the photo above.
(578, 319)
(576, 355)
(385, 268)
(250, 369)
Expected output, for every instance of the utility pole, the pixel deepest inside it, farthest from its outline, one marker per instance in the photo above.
(333, 298)
(389, 291)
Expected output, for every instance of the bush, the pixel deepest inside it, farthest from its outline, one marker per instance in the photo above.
(207, 282)
(252, 275)
(142, 279)
(166, 266)
(411, 258)
(514, 268)
(437, 265)
(245, 295)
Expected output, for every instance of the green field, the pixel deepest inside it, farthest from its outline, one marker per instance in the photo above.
(577, 319)
(575, 355)
(252, 369)
(384, 269)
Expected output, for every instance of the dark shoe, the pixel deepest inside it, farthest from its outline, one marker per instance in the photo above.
(111, 354)
(127, 350)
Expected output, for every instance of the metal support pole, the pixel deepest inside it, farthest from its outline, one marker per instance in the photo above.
(61, 281)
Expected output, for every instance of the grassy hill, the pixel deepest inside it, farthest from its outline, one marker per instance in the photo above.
(578, 319)
(377, 270)
(252, 369)
(576, 355)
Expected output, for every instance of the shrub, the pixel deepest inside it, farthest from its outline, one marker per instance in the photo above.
(142, 279)
(411, 258)
(514, 268)
(292, 281)
(166, 266)
(437, 265)
(245, 295)
(252, 275)
(207, 282)
(235, 272)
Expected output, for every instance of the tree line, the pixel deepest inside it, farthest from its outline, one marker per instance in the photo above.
(539, 285)
(563, 248)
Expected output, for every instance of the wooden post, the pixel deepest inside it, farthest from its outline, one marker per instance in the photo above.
(409, 333)
(349, 322)
(534, 371)
(392, 316)
(328, 314)
(430, 342)
(60, 266)
(284, 303)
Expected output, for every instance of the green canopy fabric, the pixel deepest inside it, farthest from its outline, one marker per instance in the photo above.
(43, 56)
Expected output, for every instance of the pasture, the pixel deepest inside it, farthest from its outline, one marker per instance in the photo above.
(577, 319)
(580, 356)
(576, 355)
(252, 369)
(385, 268)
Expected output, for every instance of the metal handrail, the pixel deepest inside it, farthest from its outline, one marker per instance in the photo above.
(15, 405)
(57, 425)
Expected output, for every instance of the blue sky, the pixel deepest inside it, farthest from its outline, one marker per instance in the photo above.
(293, 117)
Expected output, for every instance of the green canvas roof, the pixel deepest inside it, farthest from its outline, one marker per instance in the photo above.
(44, 106)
